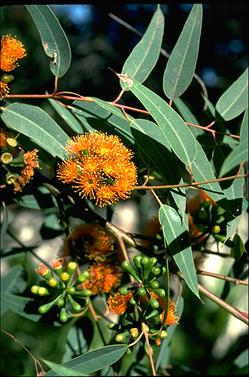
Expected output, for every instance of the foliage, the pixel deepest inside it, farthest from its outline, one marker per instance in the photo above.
(111, 301)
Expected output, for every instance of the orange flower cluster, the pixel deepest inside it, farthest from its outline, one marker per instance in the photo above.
(103, 278)
(12, 50)
(90, 240)
(118, 303)
(99, 167)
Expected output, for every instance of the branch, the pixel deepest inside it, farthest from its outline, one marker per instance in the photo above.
(229, 308)
(223, 277)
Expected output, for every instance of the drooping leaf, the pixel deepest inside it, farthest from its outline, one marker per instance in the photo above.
(17, 304)
(145, 54)
(202, 171)
(235, 158)
(181, 65)
(176, 134)
(62, 371)
(244, 127)
(150, 139)
(94, 360)
(54, 40)
(176, 239)
(102, 116)
(35, 123)
(235, 99)
(67, 115)
(187, 115)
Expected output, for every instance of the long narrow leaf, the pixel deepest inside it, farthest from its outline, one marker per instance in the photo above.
(176, 238)
(145, 54)
(181, 65)
(62, 371)
(235, 99)
(236, 157)
(67, 115)
(38, 125)
(176, 134)
(54, 40)
(94, 360)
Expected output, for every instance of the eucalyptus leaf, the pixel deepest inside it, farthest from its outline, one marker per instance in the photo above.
(94, 360)
(244, 127)
(181, 65)
(54, 40)
(235, 99)
(235, 158)
(4, 222)
(35, 123)
(67, 115)
(176, 239)
(62, 371)
(145, 54)
(175, 132)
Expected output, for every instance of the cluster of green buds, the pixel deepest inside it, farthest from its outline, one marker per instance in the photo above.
(147, 300)
(63, 287)
(212, 220)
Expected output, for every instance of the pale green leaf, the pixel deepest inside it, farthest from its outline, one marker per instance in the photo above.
(62, 371)
(176, 239)
(181, 65)
(35, 123)
(235, 99)
(175, 132)
(145, 54)
(188, 116)
(236, 157)
(244, 127)
(202, 171)
(94, 360)
(4, 222)
(67, 115)
(54, 40)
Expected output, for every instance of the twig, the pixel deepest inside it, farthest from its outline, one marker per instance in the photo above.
(150, 351)
(223, 277)
(191, 184)
(36, 362)
(229, 308)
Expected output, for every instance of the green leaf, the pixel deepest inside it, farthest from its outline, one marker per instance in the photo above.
(17, 304)
(12, 282)
(175, 132)
(181, 65)
(202, 171)
(235, 158)
(4, 223)
(95, 360)
(38, 125)
(62, 371)
(149, 137)
(187, 115)
(67, 115)
(145, 54)
(112, 118)
(235, 99)
(238, 249)
(244, 127)
(241, 361)
(54, 40)
(176, 239)
(161, 359)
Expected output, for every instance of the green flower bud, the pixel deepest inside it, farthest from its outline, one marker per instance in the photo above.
(124, 290)
(52, 282)
(159, 291)
(45, 308)
(7, 78)
(145, 260)
(137, 260)
(154, 313)
(65, 276)
(60, 302)
(83, 276)
(71, 290)
(42, 291)
(34, 289)
(121, 337)
(216, 229)
(75, 305)
(155, 271)
(111, 325)
(63, 315)
(154, 284)
(71, 267)
(141, 291)
(132, 301)
(163, 334)
(126, 266)
(82, 292)
(154, 303)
